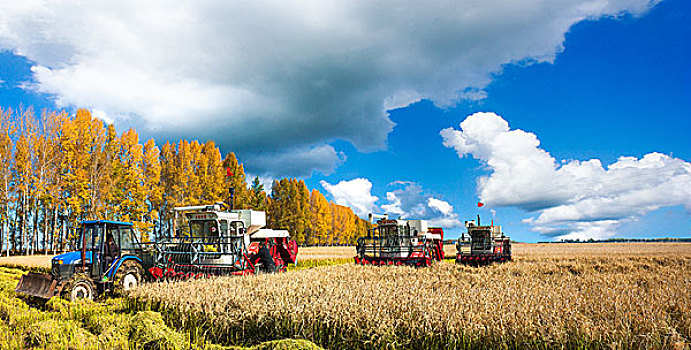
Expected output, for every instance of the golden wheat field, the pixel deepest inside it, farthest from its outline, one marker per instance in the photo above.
(551, 296)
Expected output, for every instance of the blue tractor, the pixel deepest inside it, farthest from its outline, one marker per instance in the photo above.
(88, 271)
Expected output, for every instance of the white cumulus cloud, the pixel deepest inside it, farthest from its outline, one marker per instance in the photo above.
(440, 205)
(266, 76)
(356, 194)
(571, 199)
(410, 201)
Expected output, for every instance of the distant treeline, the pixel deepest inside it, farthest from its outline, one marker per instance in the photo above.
(57, 169)
(622, 240)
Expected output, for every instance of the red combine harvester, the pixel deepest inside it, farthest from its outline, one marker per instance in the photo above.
(483, 245)
(400, 242)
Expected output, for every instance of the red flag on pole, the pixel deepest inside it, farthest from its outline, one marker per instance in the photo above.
(479, 204)
(228, 172)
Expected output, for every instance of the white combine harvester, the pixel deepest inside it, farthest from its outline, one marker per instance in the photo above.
(400, 242)
(220, 242)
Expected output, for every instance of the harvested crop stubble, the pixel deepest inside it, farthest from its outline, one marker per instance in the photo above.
(623, 302)
(329, 252)
(592, 250)
(583, 250)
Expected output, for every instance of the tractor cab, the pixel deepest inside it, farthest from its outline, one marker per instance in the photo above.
(92, 239)
(90, 270)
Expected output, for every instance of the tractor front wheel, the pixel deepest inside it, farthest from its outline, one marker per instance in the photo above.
(79, 287)
(128, 277)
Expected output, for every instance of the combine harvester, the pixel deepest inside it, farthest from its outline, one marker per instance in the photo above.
(483, 245)
(218, 243)
(400, 242)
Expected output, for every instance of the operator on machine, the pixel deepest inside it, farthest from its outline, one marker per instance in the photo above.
(111, 250)
(264, 256)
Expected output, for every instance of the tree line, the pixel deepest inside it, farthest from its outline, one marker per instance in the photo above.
(57, 170)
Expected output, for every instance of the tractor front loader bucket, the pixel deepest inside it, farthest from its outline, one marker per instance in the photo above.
(37, 284)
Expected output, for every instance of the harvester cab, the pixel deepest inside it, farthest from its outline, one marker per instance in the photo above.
(219, 242)
(400, 242)
(482, 245)
(92, 269)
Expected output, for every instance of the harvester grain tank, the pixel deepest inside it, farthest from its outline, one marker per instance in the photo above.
(400, 242)
(482, 245)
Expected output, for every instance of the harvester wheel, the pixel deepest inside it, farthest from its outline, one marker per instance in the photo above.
(79, 287)
(128, 277)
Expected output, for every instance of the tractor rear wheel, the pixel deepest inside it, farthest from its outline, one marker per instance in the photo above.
(79, 287)
(128, 277)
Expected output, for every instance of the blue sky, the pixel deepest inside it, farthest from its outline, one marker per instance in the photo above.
(611, 81)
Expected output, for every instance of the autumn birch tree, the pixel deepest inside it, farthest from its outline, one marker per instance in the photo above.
(7, 130)
(152, 180)
(45, 172)
(22, 176)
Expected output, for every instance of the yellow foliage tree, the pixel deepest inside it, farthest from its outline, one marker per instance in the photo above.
(320, 218)
(81, 143)
(47, 174)
(152, 180)
(7, 130)
(236, 180)
(129, 191)
(23, 176)
(211, 174)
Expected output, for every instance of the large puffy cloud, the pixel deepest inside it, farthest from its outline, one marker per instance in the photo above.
(355, 193)
(571, 199)
(275, 75)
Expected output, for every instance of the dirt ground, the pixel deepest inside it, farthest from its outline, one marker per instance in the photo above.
(32, 260)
